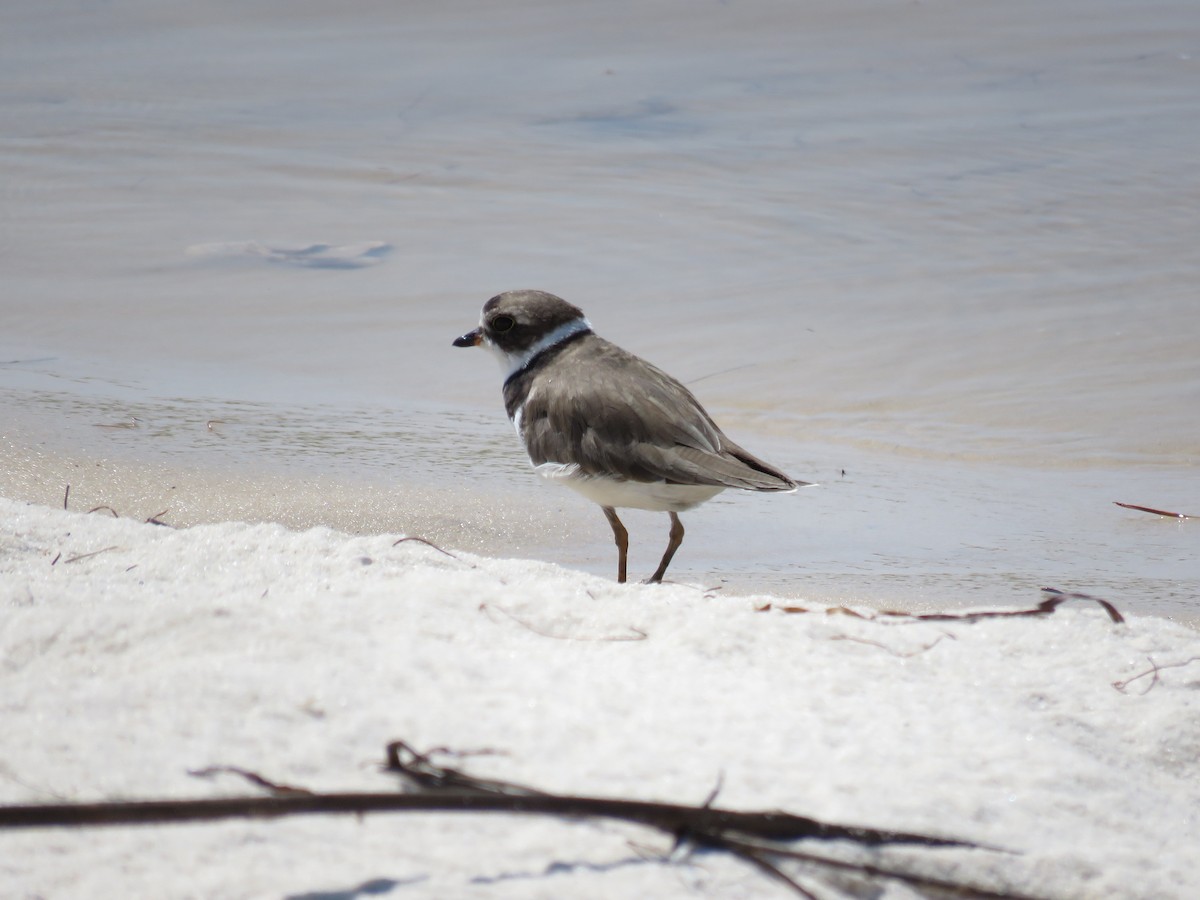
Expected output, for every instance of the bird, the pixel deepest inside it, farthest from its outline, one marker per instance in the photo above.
(597, 418)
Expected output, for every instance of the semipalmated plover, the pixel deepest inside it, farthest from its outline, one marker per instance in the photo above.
(606, 423)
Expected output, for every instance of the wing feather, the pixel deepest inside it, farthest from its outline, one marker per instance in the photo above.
(627, 419)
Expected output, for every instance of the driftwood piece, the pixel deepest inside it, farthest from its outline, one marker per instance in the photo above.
(766, 840)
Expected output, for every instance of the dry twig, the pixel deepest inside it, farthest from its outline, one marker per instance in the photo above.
(1153, 511)
(763, 839)
(882, 646)
(428, 543)
(1045, 608)
(87, 555)
(1056, 599)
(276, 789)
(636, 634)
(1153, 671)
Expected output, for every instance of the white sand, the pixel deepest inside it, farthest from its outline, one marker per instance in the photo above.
(299, 655)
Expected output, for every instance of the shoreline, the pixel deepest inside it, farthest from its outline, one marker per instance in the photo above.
(811, 545)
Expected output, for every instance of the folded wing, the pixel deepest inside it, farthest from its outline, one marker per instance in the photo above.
(631, 420)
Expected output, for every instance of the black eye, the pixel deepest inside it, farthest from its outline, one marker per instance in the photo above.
(501, 324)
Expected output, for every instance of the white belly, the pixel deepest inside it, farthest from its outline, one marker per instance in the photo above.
(657, 496)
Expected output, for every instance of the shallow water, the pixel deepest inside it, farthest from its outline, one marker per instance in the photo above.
(948, 249)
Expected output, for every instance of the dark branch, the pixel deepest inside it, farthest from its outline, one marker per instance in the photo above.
(669, 817)
(1153, 511)
(762, 839)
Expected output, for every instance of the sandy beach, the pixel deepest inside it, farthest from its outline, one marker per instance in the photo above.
(938, 258)
(135, 654)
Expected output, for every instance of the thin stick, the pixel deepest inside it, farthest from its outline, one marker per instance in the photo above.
(666, 816)
(280, 790)
(1045, 608)
(883, 646)
(88, 555)
(428, 543)
(1154, 669)
(1152, 510)
(636, 633)
(745, 848)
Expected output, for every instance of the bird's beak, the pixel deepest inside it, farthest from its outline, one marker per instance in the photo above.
(470, 339)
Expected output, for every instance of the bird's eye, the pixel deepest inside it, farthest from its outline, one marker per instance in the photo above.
(501, 324)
